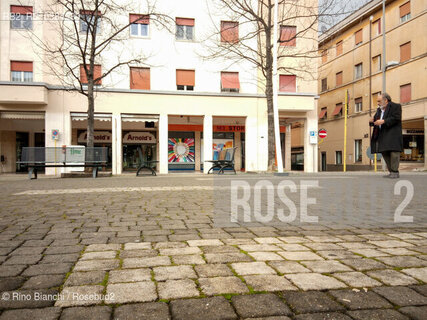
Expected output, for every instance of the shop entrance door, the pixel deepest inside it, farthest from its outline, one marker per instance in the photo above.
(22, 140)
(133, 154)
(323, 161)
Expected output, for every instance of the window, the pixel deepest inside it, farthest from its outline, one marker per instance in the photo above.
(338, 157)
(21, 71)
(376, 63)
(287, 83)
(405, 93)
(139, 25)
(288, 36)
(357, 150)
(324, 56)
(358, 37)
(339, 48)
(21, 17)
(405, 11)
(323, 113)
(140, 78)
(230, 82)
(338, 110)
(185, 79)
(338, 79)
(184, 29)
(376, 28)
(358, 104)
(89, 19)
(358, 71)
(324, 84)
(229, 32)
(97, 73)
(405, 52)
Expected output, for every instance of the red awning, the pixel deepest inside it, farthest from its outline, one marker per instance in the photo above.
(21, 9)
(337, 110)
(142, 19)
(230, 80)
(322, 113)
(184, 22)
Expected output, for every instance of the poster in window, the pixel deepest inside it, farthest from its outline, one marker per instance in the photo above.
(181, 150)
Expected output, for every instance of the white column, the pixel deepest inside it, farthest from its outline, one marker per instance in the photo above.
(288, 147)
(252, 143)
(207, 142)
(310, 150)
(117, 152)
(163, 144)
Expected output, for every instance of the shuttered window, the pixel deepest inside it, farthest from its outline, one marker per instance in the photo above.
(358, 37)
(338, 110)
(230, 82)
(323, 113)
(405, 11)
(324, 84)
(88, 19)
(339, 48)
(324, 56)
(185, 79)
(358, 104)
(358, 71)
(184, 29)
(405, 52)
(288, 36)
(97, 72)
(139, 24)
(21, 71)
(229, 31)
(338, 77)
(21, 17)
(405, 93)
(376, 63)
(287, 83)
(140, 78)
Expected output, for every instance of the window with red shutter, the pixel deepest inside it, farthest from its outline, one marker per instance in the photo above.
(21, 17)
(405, 93)
(21, 71)
(140, 78)
(185, 79)
(358, 37)
(405, 52)
(287, 83)
(97, 73)
(139, 24)
(339, 48)
(288, 36)
(229, 31)
(184, 29)
(405, 11)
(338, 77)
(230, 82)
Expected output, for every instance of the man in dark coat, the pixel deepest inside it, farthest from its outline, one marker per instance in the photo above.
(387, 134)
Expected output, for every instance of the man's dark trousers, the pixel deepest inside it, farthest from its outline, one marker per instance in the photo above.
(392, 159)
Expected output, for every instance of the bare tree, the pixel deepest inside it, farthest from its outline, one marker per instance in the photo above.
(88, 34)
(297, 21)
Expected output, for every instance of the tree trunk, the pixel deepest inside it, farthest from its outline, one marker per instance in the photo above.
(90, 114)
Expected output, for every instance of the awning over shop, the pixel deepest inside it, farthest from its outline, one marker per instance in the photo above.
(22, 115)
(82, 116)
(140, 118)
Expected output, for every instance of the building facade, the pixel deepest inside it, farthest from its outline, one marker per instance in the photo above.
(352, 60)
(180, 108)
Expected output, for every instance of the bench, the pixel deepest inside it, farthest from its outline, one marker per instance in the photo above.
(63, 157)
(145, 164)
(225, 161)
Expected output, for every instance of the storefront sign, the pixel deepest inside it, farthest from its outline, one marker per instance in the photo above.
(413, 131)
(99, 137)
(229, 128)
(139, 137)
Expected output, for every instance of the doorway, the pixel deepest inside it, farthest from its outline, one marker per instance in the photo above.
(323, 161)
(22, 140)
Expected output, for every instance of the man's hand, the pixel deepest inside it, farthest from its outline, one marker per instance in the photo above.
(371, 120)
(379, 122)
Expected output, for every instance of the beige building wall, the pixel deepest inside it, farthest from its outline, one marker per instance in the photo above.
(411, 71)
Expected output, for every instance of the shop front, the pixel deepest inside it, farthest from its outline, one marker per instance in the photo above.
(413, 145)
(138, 146)
(101, 139)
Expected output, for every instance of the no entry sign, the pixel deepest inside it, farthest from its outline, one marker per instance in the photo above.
(322, 134)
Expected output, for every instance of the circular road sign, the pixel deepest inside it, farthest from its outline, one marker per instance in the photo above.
(322, 134)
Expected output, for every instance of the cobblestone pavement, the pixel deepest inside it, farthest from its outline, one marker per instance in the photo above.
(148, 248)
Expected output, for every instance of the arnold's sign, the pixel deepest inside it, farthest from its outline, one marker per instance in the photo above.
(139, 137)
(98, 137)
